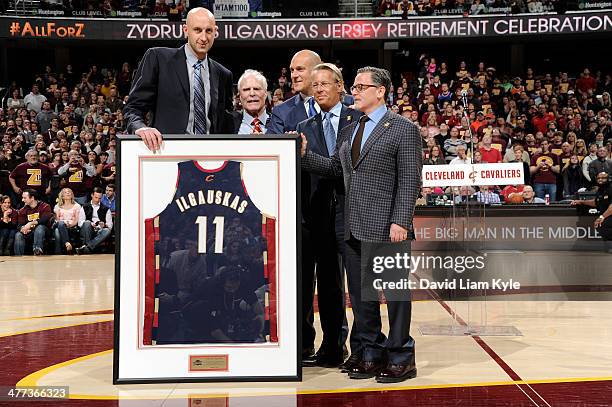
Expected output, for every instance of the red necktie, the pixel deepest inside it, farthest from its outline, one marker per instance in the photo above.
(256, 123)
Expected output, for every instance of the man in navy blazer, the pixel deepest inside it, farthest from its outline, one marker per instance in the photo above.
(323, 218)
(300, 107)
(284, 118)
(166, 84)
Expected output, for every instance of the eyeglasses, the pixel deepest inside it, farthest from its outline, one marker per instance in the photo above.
(362, 87)
(322, 85)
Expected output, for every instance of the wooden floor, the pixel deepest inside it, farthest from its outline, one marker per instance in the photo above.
(56, 329)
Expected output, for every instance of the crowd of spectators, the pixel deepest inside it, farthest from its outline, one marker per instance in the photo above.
(57, 162)
(176, 9)
(557, 125)
(172, 9)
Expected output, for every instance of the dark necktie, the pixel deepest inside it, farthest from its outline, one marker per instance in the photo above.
(356, 147)
(199, 100)
(256, 123)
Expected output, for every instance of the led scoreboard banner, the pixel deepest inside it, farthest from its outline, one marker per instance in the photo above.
(320, 29)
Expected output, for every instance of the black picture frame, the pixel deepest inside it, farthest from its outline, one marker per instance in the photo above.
(118, 243)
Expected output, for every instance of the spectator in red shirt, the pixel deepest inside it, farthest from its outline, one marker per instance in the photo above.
(586, 82)
(544, 167)
(33, 223)
(498, 140)
(77, 174)
(541, 119)
(31, 174)
(489, 154)
(479, 122)
(511, 189)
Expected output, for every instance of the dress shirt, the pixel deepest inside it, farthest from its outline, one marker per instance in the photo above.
(374, 118)
(94, 216)
(192, 59)
(487, 197)
(246, 126)
(306, 102)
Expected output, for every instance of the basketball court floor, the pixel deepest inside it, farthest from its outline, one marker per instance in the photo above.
(56, 329)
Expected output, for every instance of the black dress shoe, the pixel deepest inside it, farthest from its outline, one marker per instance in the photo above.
(309, 358)
(397, 373)
(329, 359)
(367, 369)
(350, 363)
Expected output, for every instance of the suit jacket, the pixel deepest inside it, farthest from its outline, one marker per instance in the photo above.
(161, 86)
(383, 186)
(318, 192)
(286, 116)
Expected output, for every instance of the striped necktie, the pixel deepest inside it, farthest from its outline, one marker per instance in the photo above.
(199, 100)
(256, 123)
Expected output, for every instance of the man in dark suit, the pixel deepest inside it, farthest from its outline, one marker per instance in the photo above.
(186, 91)
(322, 210)
(300, 107)
(380, 160)
(252, 90)
(284, 118)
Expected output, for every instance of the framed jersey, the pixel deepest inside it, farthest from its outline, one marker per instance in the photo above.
(207, 281)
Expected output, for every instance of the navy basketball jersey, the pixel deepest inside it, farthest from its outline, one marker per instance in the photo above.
(210, 272)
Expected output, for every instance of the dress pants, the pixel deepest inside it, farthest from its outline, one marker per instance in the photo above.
(398, 348)
(320, 259)
(341, 247)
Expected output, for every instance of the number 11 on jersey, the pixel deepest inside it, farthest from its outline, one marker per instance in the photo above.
(202, 222)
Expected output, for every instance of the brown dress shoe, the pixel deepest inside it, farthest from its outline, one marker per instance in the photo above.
(350, 363)
(396, 373)
(367, 369)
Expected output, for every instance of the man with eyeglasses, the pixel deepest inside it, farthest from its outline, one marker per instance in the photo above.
(380, 159)
(323, 223)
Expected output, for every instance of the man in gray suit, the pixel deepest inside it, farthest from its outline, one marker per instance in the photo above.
(380, 160)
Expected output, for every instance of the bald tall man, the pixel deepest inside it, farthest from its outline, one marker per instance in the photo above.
(186, 91)
(302, 106)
